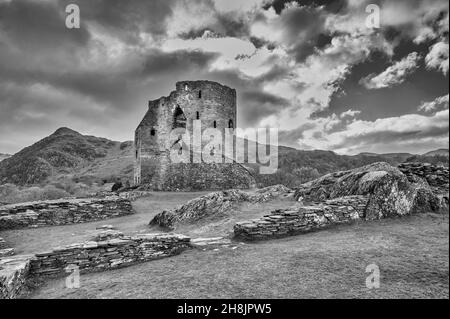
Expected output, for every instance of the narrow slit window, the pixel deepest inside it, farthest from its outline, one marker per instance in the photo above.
(153, 132)
(215, 124)
(230, 124)
(198, 115)
(200, 94)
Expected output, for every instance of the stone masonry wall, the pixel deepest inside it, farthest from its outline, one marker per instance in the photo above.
(214, 105)
(90, 256)
(436, 176)
(297, 220)
(62, 212)
(211, 176)
(109, 254)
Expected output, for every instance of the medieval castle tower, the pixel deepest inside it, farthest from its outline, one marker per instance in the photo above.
(211, 103)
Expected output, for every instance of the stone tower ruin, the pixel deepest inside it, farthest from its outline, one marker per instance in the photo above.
(211, 103)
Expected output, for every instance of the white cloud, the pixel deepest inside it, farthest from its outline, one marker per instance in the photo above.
(349, 114)
(438, 103)
(400, 134)
(238, 5)
(438, 57)
(393, 75)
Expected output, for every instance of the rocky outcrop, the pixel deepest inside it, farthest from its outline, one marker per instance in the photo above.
(62, 212)
(215, 204)
(390, 192)
(302, 219)
(14, 273)
(109, 254)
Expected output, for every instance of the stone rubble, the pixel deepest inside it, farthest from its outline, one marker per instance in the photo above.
(107, 235)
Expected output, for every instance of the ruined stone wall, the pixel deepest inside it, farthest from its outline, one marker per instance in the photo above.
(190, 177)
(109, 254)
(62, 212)
(211, 103)
(2, 244)
(297, 220)
(90, 256)
(436, 176)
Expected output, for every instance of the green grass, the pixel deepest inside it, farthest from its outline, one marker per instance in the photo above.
(412, 253)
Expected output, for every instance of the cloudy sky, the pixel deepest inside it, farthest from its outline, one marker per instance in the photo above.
(311, 68)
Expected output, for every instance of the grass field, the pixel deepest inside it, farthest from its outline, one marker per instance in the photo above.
(412, 254)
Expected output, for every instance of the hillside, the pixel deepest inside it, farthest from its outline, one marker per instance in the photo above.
(4, 156)
(69, 154)
(65, 152)
(439, 152)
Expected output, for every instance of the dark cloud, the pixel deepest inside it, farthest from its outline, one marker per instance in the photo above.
(258, 105)
(126, 19)
(291, 138)
(38, 26)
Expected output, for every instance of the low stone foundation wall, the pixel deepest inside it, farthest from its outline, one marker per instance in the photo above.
(109, 254)
(88, 257)
(62, 212)
(297, 220)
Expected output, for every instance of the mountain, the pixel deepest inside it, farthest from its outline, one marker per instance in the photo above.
(392, 158)
(439, 152)
(67, 152)
(4, 156)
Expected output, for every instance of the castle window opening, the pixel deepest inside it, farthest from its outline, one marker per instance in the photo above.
(186, 87)
(230, 124)
(179, 119)
(198, 115)
(200, 94)
(153, 132)
(215, 124)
